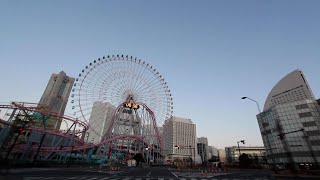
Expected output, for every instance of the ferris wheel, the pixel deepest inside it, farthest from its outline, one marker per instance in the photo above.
(113, 79)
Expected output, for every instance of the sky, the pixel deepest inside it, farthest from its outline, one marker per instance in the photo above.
(210, 52)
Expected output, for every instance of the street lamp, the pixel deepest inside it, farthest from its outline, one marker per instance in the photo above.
(253, 101)
(243, 142)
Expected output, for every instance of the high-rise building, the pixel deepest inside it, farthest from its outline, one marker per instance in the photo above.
(100, 120)
(254, 152)
(203, 148)
(212, 152)
(179, 132)
(290, 123)
(222, 155)
(55, 97)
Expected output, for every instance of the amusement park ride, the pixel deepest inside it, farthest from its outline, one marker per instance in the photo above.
(142, 103)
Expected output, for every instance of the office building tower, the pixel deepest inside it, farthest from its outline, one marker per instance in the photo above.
(179, 132)
(212, 152)
(203, 148)
(290, 123)
(55, 98)
(100, 120)
(222, 155)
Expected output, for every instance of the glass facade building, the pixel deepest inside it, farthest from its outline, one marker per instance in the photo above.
(291, 132)
(290, 123)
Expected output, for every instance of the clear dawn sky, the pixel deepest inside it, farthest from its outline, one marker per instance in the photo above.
(210, 52)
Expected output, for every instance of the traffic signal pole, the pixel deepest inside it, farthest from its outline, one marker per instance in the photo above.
(194, 153)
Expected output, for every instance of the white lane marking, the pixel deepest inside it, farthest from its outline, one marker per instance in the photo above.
(105, 178)
(149, 173)
(174, 175)
(93, 178)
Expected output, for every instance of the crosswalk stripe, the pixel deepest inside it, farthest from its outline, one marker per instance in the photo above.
(73, 177)
(105, 178)
(93, 178)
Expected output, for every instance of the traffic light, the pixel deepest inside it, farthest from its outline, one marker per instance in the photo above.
(17, 129)
(177, 146)
(147, 148)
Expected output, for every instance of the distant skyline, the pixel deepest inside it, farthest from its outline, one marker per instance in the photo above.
(211, 53)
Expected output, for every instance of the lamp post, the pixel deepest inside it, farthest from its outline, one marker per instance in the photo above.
(243, 142)
(253, 101)
(268, 141)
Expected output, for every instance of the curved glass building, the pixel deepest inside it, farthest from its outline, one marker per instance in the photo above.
(290, 123)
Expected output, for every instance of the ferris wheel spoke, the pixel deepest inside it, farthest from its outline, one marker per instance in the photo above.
(138, 75)
(148, 83)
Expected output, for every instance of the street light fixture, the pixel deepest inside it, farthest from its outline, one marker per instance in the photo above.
(253, 101)
(243, 142)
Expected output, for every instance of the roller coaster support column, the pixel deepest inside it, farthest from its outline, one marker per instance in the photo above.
(69, 157)
(38, 150)
(41, 141)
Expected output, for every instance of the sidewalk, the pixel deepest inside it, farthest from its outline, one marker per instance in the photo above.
(18, 170)
(286, 174)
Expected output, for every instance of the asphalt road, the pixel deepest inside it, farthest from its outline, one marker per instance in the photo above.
(154, 172)
(147, 173)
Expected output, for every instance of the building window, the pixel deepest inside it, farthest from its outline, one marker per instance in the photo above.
(306, 114)
(313, 133)
(315, 142)
(265, 124)
(308, 124)
(62, 88)
(302, 106)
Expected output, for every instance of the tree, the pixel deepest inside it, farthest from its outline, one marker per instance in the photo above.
(214, 159)
(139, 158)
(244, 160)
